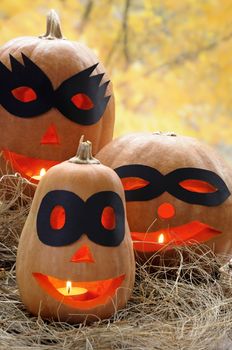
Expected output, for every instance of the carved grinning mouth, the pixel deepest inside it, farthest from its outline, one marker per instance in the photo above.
(92, 294)
(187, 234)
(26, 166)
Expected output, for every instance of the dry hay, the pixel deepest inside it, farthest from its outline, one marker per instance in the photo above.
(183, 307)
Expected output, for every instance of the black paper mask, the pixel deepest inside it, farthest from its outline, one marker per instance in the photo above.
(81, 218)
(79, 98)
(159, 183)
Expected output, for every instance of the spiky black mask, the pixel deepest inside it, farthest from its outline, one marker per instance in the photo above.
(27, 92)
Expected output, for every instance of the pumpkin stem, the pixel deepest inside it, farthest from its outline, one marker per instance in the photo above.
(169, 133)
(53, 30)
(84, 153)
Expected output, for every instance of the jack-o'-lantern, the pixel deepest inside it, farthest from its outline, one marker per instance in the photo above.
(178, 191)
(52, 91)
(75, 259)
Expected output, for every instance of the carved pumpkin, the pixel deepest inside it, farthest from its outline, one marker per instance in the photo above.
(177, 191)
(52, 92)
(75, 258)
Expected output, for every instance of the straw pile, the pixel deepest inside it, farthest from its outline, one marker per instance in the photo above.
(182, 307)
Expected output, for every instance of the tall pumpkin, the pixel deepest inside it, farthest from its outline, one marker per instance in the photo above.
(52, 91)
(75, 259)
(178, 191)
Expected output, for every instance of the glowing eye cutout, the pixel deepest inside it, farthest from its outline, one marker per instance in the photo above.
(24, 94)
(108, 218)
(57, 217)
(133, 183)
(197, 186)
(82, 101)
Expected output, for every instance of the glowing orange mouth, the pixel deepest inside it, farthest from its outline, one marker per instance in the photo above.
(95, 292)
(28, 167)
(193, 232)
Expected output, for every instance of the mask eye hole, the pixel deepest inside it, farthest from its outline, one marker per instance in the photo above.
(198, 186)
(82, 101)
(57, 217)
(133, 183)
(108, 218)
(24, 94)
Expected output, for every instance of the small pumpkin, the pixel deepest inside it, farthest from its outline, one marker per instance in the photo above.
(75, 259)
(178, 191)
(53, 91)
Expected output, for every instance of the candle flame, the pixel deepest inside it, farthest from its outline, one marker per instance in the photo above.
(68, 286)
(161, 238)
(42, 172)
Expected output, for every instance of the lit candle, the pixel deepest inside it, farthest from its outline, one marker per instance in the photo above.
(161, 238)
(68, 286)
(71, 291)
(38, 177)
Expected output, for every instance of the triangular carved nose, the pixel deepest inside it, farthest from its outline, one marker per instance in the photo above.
(83, 254)
(50, 136)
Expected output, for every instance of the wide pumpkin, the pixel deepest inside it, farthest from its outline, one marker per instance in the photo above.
(52, 91)
(75, 259)
(178, 191)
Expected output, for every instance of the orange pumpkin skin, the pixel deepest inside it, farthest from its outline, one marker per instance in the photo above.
(59, 59)
(105, 263)
(167, 153)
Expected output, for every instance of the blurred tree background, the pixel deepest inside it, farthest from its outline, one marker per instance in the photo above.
(170, 61)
